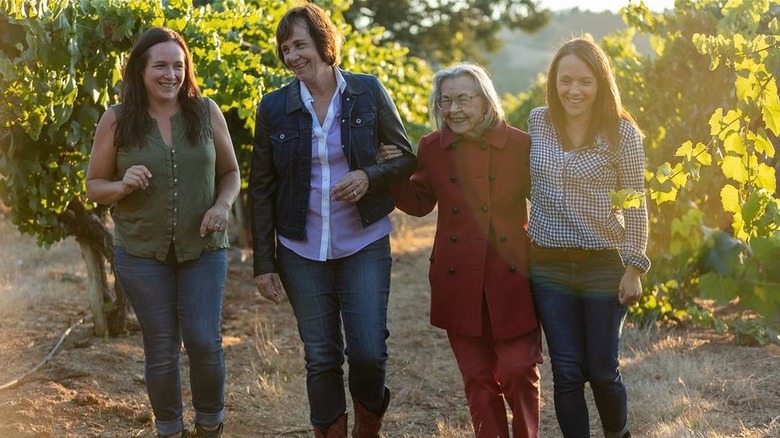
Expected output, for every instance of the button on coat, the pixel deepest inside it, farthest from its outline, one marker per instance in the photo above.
(480, 246)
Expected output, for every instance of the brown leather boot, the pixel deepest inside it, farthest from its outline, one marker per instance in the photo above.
(336, 430)
(367, 423)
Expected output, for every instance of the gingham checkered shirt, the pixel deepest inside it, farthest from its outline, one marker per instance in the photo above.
(570, 205)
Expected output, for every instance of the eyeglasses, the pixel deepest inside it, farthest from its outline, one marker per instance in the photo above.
(463, 101)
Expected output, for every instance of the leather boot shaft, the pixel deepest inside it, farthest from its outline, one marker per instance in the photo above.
(336, 430)
(367, 423)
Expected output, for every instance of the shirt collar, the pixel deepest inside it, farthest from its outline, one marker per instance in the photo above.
(496, 136)
(341, 84)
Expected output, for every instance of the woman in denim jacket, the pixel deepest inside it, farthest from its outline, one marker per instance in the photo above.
(320, 224)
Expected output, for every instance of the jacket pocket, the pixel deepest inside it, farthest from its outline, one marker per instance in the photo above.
(362, 127)
(284, 145)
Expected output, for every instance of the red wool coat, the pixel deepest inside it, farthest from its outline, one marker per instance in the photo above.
(480, 246)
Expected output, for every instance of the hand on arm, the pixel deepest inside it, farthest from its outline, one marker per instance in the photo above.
(387, 152)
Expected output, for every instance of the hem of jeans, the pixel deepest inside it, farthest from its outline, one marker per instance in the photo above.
(621, 434)
(170, 427)
(210, 419)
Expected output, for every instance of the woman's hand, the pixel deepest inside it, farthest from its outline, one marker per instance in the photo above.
(351, 188)
(215, 219)
(136, 177)
(630, 286)
(270, 287)
(387, 152)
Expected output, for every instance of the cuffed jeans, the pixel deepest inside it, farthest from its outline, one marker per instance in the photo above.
(323, 294)
(577, 304)
(175, 302)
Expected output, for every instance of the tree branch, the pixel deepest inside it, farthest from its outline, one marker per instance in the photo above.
(49, 357)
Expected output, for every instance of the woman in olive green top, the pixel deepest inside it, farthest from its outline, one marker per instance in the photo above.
(164, 159)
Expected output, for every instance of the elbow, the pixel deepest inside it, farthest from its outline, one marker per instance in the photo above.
(94, 194)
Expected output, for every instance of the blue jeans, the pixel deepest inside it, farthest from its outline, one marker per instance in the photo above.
(175, 302)
(353, 290)
(578, 307)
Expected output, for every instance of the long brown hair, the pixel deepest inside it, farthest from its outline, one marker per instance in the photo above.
(133, 123)
(608, 109)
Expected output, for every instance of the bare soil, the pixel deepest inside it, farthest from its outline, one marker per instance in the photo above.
(682, 384)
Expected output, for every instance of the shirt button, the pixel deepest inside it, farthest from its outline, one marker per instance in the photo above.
(175, 180)
(175, 194)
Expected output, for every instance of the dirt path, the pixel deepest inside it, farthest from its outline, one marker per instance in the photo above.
(681, 385)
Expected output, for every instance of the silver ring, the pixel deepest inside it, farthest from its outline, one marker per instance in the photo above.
(354, 195)
(218, 225)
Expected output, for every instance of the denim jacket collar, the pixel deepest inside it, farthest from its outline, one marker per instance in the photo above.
(295, 103)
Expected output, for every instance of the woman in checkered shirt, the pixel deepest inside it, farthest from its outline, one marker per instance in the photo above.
(586, 255)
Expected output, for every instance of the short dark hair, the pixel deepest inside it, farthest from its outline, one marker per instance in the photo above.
(324, 33)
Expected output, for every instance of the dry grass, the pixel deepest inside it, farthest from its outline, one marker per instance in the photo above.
(681, 384)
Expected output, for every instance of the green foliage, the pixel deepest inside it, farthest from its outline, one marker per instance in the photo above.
(517, 107)
(61, 64)
(447, 32)
(709, 98)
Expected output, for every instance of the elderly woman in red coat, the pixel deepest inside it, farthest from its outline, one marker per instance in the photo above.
(476, 168)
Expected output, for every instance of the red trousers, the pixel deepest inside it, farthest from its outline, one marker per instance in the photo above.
(494, 371)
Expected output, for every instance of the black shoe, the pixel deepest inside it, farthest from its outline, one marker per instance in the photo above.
(200, 432)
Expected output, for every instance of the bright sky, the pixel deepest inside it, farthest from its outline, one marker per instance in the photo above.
(605, 5)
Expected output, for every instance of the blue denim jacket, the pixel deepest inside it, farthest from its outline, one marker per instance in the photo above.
(280, 173)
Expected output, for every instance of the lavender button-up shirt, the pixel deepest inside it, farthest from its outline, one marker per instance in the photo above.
(333, 228)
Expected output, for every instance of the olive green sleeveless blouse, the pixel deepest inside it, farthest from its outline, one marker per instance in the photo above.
(168, 213)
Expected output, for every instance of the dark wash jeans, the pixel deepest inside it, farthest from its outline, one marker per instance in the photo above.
(577, 305)
(353, 290)
(175, 302)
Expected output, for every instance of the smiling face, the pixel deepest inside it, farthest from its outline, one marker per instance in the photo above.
(301, 55)
(577, 87)
(464, 118)
(164, 72)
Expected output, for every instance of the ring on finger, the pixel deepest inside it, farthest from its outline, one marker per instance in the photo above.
(354, 195)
